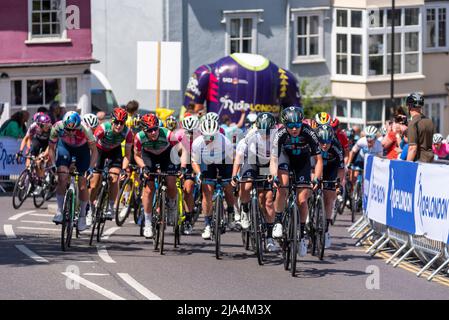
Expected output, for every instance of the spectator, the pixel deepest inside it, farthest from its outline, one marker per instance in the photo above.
(56, 112)
(420, 131)
(42, 109)
(391, 141)
(232, 130)
(101, 115)
(357, 131)
(404, 146)
(15, 127)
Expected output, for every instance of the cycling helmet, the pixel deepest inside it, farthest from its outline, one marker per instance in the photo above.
(190, 123)
(211, 115)
(43, 119)
(370, 131)
(209, 127)
(325, 134)
(90, 120)
(119, 114)
(415, 100)
(292, 114)
(335, 123)
(37, 115)
(437, 138)
(265, 121)
(71, 120)
(251, 118)
(322, 118)
(171, 123)
(149, 121)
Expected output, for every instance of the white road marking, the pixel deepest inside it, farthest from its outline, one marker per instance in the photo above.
(106, 293)
(88, 261)
(96, 274)
(42, 215)
(20, 215)
(40, 229)
(138, 287)
(104, 255)
(31, 254)
(38, 222)
(9, 232)
(109, 232)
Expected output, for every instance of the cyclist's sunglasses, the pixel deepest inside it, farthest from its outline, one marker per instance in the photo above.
(118, 123)
(325, 141)
(44, 125)
(293, 125)
(209, 138)
(370, 137)
(151, 130)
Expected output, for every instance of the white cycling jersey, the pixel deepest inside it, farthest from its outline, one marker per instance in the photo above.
(362, 145)
(254, 148)
(219, 151)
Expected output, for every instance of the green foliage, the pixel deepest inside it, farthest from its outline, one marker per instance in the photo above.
(314, 98)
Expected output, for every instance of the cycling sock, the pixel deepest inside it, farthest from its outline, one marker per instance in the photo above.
(148, 217)
(270, 230)
(245, 207)
(60, 202)
(207, 220)
(278, 217)
(328, 221)
(83, 206)
(303, 230)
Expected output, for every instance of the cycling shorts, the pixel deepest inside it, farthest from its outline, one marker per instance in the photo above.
(81, 153)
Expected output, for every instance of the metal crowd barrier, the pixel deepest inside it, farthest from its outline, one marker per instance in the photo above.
(7, 179)
(429, 252)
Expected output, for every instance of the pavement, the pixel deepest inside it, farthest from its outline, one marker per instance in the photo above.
(124, 266)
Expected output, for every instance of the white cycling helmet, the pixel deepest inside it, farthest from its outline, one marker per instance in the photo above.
(437, 138)
(370, 131)
(190, 123)
(211, 115)
(209, 127)
(91, 120)
(251, 117)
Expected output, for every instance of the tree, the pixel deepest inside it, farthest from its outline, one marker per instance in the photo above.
(315, 98)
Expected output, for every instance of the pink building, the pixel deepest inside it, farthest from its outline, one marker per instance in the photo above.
(45, 54)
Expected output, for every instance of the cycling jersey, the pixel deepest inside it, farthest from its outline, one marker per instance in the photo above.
(361, 146)
(164, 141)
(254, 148)
(219, 151)
(35, 131)
(442, 152)
(343, 139)
(242, 82)
(108, 139)
(72, 138)
(333, 157)
(304, 145)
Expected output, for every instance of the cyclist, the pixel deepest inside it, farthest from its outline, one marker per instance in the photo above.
(39, 135)
(73, 139)
(212, 155)
(253, 161)
(186, 135)
(109, 136)
(366, 145)
(333, 168)
(91, 121)
(341, 136)
(322, 118)
(152, 147)
(293, 147)
(440, 147)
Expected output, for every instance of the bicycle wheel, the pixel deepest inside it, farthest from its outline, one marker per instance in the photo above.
(21, 189)
(293, 230)
(104, 206)
(38, 200)
(320, 227)
(256, 227)
(67, 222)
(137, 201)
(156, 221)
(177, 221)
(96, 216)
(218, 216)
(285, 241)
(162, 221)
(354, 201)
(123, 205)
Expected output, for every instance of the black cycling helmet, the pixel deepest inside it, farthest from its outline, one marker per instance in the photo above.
(325, 134)
(265, 121)
(292, 115)
(415, 100)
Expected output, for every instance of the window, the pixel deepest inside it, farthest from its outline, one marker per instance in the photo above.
(342, 108)
(309, 36)
(71, 91)
(46, 19)
(43, 91)
(16, 93)
(349, 42)
(407, 42)
(356, 109)
(436, 28)
(433, 108)
(374, 111)
(364, 113)
(241, 30)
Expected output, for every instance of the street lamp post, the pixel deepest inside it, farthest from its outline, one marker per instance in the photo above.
(393, 15)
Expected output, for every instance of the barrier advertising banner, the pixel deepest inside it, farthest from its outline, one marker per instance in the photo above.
(8, 162)
(377, 192)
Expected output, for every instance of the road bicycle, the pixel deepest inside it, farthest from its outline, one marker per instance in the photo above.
(129, 197)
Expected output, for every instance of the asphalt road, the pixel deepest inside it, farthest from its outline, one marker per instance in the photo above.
(124, 266)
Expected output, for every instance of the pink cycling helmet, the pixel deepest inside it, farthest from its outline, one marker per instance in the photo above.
(42, 118)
